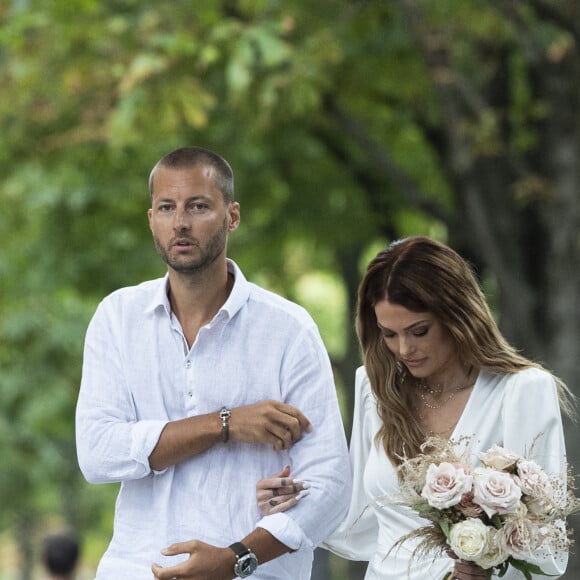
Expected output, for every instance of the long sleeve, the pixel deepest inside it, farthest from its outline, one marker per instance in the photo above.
(356, 537)
(533, 427)
(321, 457)
(113, 444)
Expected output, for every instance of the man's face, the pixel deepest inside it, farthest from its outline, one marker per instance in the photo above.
(189, 219)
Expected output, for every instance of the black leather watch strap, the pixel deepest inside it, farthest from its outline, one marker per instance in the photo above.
(239, 549)
(246, 561)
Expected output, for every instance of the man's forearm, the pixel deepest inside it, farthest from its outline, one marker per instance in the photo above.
(185, 438)
(265, 545)
(268, 422)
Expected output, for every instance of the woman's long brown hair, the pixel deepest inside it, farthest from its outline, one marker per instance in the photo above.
(424, 275)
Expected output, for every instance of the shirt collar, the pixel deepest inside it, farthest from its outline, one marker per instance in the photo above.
(240, 291)
(237, 298)
(160, 299)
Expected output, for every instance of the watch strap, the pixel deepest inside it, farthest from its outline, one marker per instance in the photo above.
(239, 549)
(246, 561)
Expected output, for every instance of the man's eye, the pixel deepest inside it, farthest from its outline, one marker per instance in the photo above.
(164, 207)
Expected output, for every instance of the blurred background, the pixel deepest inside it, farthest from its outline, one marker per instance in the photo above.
(348, 124)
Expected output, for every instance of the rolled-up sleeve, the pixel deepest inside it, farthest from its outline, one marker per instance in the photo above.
(320, 457)
(112, 444)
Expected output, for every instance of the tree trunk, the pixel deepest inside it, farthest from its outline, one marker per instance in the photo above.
(25, 534)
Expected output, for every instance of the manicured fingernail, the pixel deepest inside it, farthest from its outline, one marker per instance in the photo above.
(302, 494)
(304, 484)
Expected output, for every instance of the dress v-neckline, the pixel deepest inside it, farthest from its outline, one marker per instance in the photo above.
(466, 410)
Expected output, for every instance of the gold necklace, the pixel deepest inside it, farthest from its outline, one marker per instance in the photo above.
(452, 393)
(438, 390)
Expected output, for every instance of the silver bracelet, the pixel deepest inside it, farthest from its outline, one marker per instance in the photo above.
(225, 414)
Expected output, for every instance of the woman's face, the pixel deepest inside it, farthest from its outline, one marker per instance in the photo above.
(419, 341)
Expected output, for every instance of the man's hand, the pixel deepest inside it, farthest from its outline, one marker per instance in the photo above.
(272, 422)
(269, 422)
(205, 562)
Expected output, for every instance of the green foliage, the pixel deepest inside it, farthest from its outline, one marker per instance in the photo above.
(342, 132)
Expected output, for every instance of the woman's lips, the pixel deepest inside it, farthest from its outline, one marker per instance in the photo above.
(413, 363)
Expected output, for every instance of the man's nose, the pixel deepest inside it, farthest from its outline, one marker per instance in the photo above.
(180, 221)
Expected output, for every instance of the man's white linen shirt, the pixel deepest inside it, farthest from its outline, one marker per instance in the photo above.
(139, 374)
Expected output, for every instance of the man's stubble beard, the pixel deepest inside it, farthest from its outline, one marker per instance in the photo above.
(206, 255)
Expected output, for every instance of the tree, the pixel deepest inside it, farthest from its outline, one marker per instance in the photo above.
(348, 124)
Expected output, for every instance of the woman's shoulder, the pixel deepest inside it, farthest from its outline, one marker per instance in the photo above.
(533, 385)
(364, 392)
(362, 382)
(529, 376)
(361, 375)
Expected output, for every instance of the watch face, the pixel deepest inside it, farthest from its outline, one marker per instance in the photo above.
(246, 565)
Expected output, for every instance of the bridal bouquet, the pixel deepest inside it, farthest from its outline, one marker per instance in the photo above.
(496, 515)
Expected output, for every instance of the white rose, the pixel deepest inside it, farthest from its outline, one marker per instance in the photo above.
(445, 484)
(468, 539)
(495, 552)
(496, 491)
(520, 538)
(499, 458)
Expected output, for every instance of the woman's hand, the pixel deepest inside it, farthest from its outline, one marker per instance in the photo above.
(465, 570)
(279, 492)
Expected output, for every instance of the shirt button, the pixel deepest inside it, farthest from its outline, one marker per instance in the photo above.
(187, 364)
(190, 394)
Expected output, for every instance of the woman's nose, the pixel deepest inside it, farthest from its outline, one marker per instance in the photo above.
(406, 346)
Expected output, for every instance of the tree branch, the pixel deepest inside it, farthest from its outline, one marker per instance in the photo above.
(385, 165)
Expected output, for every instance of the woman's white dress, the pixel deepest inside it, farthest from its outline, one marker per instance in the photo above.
(508, 410)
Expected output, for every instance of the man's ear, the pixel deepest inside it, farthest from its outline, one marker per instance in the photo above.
(234, 211)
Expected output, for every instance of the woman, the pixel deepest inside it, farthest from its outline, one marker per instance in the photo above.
(435, 364)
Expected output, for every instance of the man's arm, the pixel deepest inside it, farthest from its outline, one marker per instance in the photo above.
(269, 422)
(208, 562)
(117, 443)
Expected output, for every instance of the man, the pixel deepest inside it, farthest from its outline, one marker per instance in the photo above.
(190, 393)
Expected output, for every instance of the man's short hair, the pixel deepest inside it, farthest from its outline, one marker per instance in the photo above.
(185, 157)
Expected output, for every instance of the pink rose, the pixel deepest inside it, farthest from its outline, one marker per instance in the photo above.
(520, 538)
(537, 488)
(468, 507)
(496, 491)
(445, 484)
(533, 480)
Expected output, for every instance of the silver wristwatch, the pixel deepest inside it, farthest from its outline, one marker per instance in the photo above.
(246, 561)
